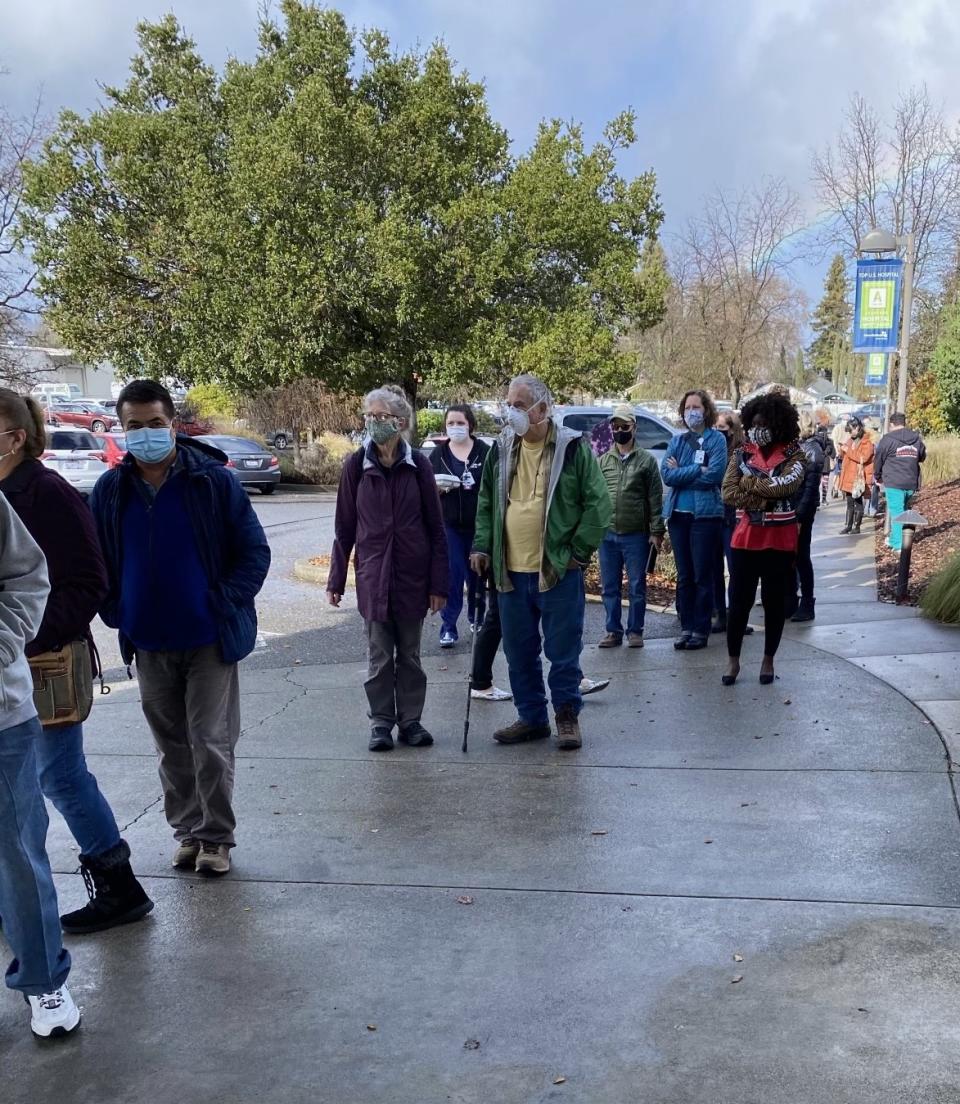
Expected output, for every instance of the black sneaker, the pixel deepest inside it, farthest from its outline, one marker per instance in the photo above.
(116, 897)
(414, 735)
(381, 740)
(695, 643)
(520, 733)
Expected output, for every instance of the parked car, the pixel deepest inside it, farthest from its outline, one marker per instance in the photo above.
(249, 461)
(49, 390)
(653, 432)
(875, 410)
(189, 424)
(113, 446)
(86, 415)
(435, 439)
(279, 438)
(76, 455)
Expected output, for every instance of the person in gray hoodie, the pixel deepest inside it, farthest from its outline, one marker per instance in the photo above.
(28, 900)
(896, 465)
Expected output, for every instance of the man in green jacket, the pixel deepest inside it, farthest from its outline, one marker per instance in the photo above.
(542, 512)
(636, 492)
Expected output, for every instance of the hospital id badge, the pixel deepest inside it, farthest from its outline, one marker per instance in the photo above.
(700, 457)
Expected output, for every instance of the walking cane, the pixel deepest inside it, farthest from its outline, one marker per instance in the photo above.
(473, 645)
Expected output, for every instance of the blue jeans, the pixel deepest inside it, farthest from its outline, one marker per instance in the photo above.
(897, 502)
(66, 781)
(458, 558)
(28, 900)
(619, 551)
(694, 542)
(559, 611)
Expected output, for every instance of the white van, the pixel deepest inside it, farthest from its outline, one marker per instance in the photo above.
(52, 391)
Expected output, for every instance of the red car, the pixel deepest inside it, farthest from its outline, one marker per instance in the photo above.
(85, 415)
(113, 446)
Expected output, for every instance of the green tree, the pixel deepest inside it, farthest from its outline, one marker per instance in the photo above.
(831, 320)
(338, 210)
(925, 406)
(799, 371)
(945, 365)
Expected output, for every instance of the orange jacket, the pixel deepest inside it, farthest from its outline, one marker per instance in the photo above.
(854, 454)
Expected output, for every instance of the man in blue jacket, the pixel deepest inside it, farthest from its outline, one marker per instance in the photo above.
(186, 556)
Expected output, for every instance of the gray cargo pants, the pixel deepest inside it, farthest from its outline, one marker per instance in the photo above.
(192, 704)
(396, 684)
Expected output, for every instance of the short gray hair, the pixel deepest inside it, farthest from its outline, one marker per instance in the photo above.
(539, 391)
(392, 398)
(806, 423)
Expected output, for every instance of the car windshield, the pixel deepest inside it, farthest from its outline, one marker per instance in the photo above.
(234, 444)
(66, 441)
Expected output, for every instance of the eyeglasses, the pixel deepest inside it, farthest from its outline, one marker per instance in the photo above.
(380, 417)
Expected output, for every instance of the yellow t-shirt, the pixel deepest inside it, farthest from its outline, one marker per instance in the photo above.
(524, 521)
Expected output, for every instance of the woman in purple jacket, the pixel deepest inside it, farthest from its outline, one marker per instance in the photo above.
(60, 522)
(389, 517)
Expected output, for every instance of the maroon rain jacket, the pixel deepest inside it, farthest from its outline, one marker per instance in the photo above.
(61, 523)
(393, 524)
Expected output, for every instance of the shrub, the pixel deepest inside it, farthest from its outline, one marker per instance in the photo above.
(320, 464)
(941, 598)
(943, 460)
(925, 406)
(211, 401)
(429, 421)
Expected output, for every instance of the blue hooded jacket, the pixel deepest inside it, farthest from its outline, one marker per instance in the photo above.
(702, 480)
(232, 547)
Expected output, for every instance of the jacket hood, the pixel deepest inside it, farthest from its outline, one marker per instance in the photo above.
(197, 455)
(907, 435)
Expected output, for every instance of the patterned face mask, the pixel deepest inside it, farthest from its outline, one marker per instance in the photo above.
(760, 436)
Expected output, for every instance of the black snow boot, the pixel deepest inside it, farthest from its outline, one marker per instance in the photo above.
(857, 515)
(116, 897)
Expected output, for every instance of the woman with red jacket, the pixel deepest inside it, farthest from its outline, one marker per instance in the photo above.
(856, 473)
(61, 523)
(763, 478)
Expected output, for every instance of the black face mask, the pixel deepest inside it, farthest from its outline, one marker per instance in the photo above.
(623, 436)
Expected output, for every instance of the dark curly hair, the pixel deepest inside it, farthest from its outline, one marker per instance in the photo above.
(709, 410)
(778, 413)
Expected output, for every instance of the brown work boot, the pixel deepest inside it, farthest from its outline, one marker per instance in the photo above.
(520, 732)
(611, 640)
(568, 729)
(634, 640)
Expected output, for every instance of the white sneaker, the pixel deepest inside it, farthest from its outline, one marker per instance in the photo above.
(53, 1013)
(591, 686)
(492, 693)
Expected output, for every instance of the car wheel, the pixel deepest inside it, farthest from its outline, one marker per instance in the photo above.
(268, 488)
(97, 427)
(280, 441)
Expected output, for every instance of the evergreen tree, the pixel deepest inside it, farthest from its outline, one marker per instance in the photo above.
(831, 320)
(799, 371)
(945, 364)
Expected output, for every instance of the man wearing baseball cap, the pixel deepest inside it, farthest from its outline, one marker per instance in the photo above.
(636, 494)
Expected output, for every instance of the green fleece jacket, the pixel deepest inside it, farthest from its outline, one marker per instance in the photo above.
(636, 491)
(577, 512)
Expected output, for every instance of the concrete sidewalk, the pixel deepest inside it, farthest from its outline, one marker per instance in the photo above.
(743, 895)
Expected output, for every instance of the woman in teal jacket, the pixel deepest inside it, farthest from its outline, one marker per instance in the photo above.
(693, 470)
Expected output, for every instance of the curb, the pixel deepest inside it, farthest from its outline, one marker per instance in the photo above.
(307, 572)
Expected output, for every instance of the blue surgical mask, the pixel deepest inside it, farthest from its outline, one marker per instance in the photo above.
(150, 445)
(694, 419)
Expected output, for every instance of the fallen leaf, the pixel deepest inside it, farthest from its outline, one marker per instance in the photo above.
(786, 701)
(738, 958)
(297, 662)
(371, 1027)
(246, 908)
(758, 737)
(443, 668)
(472, 1044)
(599, 832)
(559, 1080)
(374, 829)
(465, 899)
(736, 980)
(863, 1009)
(708, 841)
(273, 786)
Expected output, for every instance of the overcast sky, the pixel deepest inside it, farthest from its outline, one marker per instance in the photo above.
(725, 92)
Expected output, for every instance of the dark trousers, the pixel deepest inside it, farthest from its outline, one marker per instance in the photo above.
(396, 683)
(549, 619)
(774, 571)
(694, 542)
(804, 562)
(458, 559)
(721, 559)
(487, 643)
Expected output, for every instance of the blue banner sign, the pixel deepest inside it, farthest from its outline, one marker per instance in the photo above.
(876, 312)
(877, 367)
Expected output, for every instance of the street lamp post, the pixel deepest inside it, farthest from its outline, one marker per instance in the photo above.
(880, 241)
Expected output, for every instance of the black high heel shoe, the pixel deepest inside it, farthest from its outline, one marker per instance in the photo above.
(729, 680)
(766, 680)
